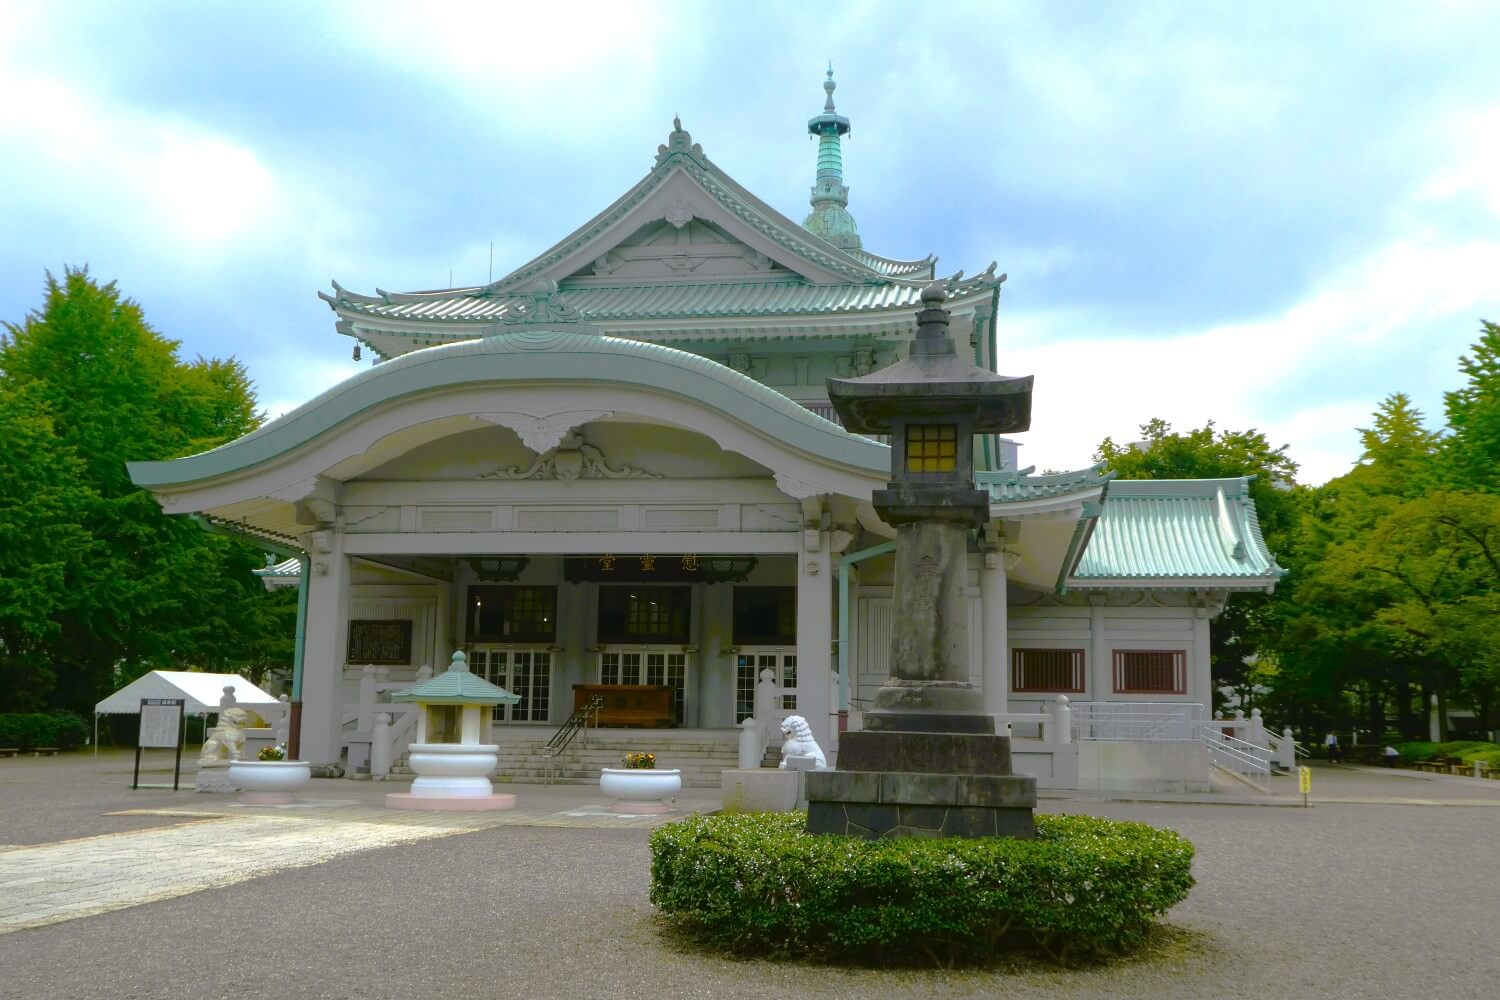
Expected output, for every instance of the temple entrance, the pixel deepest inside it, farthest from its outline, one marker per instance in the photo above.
(526, 672)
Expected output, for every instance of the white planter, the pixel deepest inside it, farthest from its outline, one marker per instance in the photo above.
(269, 782)
(452, 770)
(640, 789)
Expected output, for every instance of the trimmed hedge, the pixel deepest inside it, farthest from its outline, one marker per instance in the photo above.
(1462, 749)
(758, 883)
(38, 729)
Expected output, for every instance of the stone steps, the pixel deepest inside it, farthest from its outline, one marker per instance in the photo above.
(701, 762)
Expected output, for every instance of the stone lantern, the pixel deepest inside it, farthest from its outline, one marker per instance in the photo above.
(928, 761)
(452, 755)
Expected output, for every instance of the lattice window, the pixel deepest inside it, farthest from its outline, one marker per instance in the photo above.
(670, 669)
(644, 614)
(931, 447)
(1150, 671)
(1046, 671)
(745, 672)
(747, 667)
(526, 672)
(512, 614)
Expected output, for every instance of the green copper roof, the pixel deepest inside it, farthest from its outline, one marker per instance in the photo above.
(529, 356)
(1193, 530)
(914, 269)
(1014, 487)
(605, 303)
(457, 687)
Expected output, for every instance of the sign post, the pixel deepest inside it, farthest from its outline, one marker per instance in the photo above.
(162, 722)
(1304, 783)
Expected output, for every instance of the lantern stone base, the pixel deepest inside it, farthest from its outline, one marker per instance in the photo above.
(455, 803)
(922, 784)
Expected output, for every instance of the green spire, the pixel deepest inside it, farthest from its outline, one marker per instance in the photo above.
(830, 216)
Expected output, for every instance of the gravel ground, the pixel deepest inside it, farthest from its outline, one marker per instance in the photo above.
(1342, 900)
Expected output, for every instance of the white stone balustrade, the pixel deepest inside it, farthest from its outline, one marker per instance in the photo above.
(752, 747)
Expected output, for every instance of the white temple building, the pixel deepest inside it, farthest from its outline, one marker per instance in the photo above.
(615, 467)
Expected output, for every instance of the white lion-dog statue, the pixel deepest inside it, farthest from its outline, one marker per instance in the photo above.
(227, 740)
(800, 742)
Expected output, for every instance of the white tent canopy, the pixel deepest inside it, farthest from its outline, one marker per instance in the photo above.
(199, 692)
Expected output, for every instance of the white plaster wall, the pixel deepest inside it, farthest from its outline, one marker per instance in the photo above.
(1146, 767)
(1138, 625)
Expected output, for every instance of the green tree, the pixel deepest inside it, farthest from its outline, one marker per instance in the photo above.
(1473, 411)
(44, 548)
(157, 589)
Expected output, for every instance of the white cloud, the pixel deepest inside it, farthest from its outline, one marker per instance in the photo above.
(133, 172)
(1474, 171)
(529, 64)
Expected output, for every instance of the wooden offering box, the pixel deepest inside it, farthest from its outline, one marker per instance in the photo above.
(628, 704)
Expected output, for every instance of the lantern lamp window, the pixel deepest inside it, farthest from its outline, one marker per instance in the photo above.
(931, 447)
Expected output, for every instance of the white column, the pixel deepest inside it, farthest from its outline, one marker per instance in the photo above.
(1200, 684)
(1101, 673)
(325, 650)
(992, 595)
(442, 626)
(814, 640)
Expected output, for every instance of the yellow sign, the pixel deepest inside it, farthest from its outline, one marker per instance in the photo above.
(1304, 780)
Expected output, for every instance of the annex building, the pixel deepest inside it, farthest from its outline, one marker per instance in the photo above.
(616, 466)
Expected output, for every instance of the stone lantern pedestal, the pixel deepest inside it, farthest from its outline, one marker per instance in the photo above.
(452, 756)
(928, 762)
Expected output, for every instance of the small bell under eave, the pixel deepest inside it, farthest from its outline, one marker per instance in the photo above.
(356, 352)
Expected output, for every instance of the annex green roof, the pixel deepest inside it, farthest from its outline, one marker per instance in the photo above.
(1184, 532)
(457, 687)
(531, 355)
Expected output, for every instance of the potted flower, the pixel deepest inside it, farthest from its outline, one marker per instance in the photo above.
(638, 785)
(271, 779)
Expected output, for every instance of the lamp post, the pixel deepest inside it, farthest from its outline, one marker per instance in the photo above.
(928, 762)
(931, 404)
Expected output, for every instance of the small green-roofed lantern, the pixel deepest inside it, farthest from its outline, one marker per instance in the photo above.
(932, 403)
(449, 706)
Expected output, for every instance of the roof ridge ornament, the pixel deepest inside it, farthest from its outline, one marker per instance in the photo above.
(830, 216)
(547, 307)
(680, 141)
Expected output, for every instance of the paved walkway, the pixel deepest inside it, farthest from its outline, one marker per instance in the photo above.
(207, 841)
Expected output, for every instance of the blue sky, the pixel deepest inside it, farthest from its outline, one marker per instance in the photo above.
(1270, 215)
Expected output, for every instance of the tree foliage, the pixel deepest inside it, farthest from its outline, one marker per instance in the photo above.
(1395, 597)
(100, 584)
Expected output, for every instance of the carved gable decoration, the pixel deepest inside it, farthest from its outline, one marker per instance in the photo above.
(573, 458)
(683, 241)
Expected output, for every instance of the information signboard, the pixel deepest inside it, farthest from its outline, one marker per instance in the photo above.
(162, 721)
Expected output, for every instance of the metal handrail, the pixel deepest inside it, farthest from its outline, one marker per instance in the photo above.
(575, 724)
(1250, 758)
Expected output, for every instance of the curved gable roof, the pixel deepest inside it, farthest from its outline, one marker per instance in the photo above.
(530, 356)
(1178, 530)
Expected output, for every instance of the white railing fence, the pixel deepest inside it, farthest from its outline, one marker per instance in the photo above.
(1140, 721)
